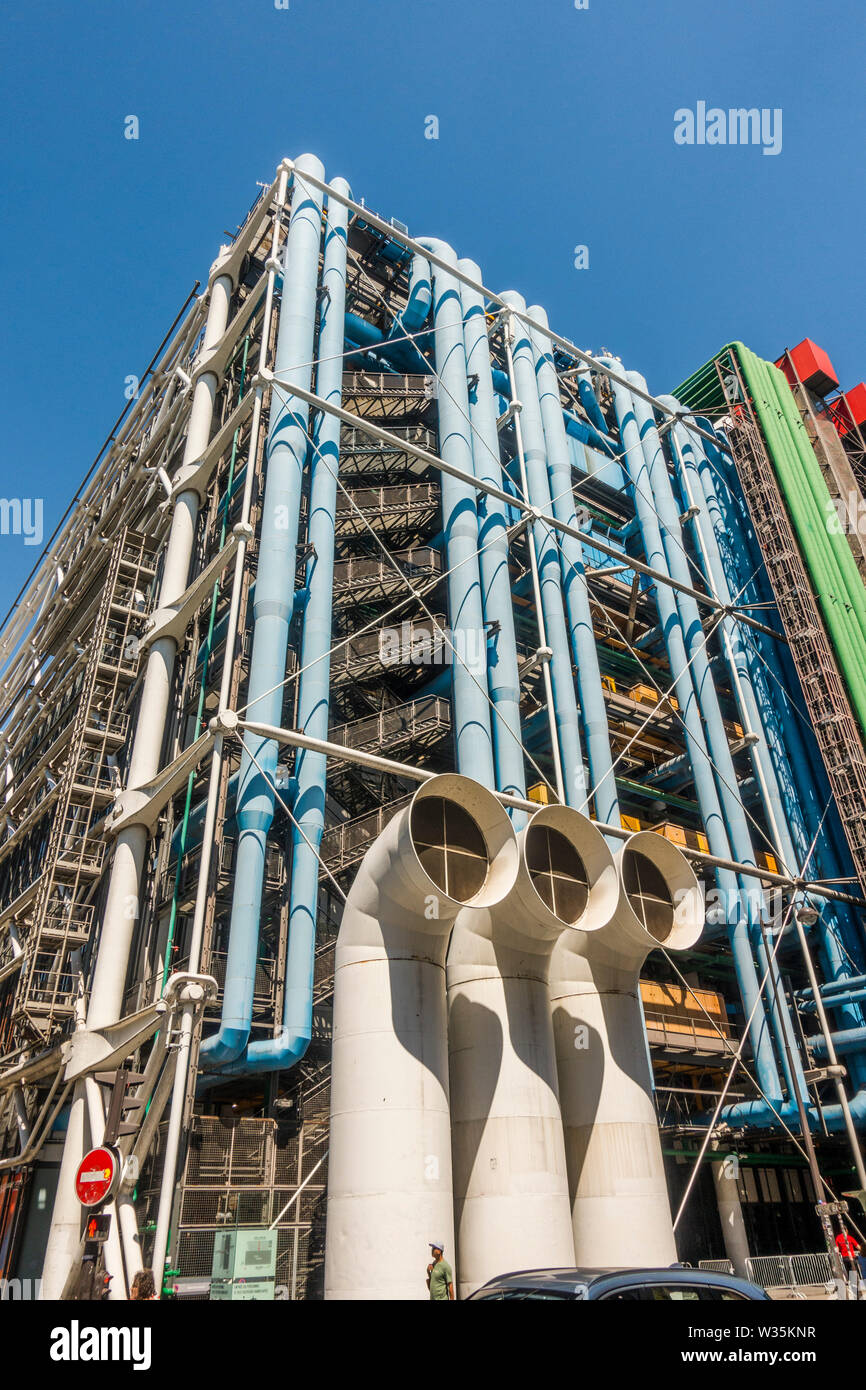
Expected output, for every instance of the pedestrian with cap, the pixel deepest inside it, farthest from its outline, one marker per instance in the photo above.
(440, 1276)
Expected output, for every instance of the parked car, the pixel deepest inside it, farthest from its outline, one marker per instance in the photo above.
(674, 1285)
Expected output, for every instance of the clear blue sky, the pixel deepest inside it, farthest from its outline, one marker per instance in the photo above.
(556, 129)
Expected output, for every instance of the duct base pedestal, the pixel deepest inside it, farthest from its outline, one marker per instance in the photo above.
(620, 1206)
(510, 1184)
(389, 1183)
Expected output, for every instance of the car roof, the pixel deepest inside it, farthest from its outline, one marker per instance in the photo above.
(571, 1278)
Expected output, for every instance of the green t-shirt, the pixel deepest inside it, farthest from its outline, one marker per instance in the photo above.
(441, 1276)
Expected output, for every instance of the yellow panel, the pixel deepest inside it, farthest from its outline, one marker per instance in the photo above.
(540, 793)
(675, 833)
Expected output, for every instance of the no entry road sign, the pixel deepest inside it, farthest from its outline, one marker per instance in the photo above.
(97, 1176)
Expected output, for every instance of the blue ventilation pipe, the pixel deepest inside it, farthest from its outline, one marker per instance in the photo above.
(784, 818)
(829, 990)
(272, 608)
(756, 1114)
(401, 355)
(847, 1040)
(786, 813)
(419, 301)
(735, 817)
(583, 645)
(549, 572)
(471, 715)
(290, 1044)
(749, 1113)
(502, 673)
(398, 356)
(589, 402)
(801, 762)
(840, 937)
(577, 428)
(744, 565)
(783, 732)
(702, 769)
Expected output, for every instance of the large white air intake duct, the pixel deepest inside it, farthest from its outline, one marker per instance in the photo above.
(620, 1208)
(389, 1185)
(512, 1208)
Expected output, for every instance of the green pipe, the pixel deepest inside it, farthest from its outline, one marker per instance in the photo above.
(847, 632)
(181, 850)
(837, 545)
(832, 569)
(814, 497)
(639, 789)
(793, 474)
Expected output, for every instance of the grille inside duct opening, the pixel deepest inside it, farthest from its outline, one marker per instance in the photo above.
(648, 893)
(558, 873)
(450, 846)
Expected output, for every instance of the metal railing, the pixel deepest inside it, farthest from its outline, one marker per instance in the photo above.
(789, 1271)
(358, 442)
(265, 979)
(395, 725)
(409, 641)
(692, 1035)
(348, 842)
(362, 576)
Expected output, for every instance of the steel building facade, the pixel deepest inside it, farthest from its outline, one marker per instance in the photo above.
(368, 522)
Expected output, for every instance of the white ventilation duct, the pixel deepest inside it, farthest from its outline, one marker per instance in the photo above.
(620, 1208)
(389, 1185)
(512, 1208)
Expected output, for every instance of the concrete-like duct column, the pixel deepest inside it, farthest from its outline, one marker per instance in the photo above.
(389, 1187)
(731, 1213)
(512, 1208)
(620, 1209)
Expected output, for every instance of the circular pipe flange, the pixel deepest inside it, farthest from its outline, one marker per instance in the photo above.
(661, 902)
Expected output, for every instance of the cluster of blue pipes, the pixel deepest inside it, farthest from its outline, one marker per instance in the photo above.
(695, 488)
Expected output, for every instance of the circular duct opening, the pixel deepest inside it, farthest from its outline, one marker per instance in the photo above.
(558, 873)
(450, 847)
(648, 893)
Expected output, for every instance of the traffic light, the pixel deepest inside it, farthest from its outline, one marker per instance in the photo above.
(97, 1229)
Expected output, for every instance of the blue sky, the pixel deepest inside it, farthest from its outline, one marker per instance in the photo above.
(555, 130)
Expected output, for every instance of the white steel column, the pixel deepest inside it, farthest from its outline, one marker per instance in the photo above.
(122, 905)
(177, 1104)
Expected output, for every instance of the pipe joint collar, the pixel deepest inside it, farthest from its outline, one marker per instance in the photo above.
(660, 899)
(566, 880)
(452, 847)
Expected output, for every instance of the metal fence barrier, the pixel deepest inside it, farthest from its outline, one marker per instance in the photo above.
(780, 1271)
